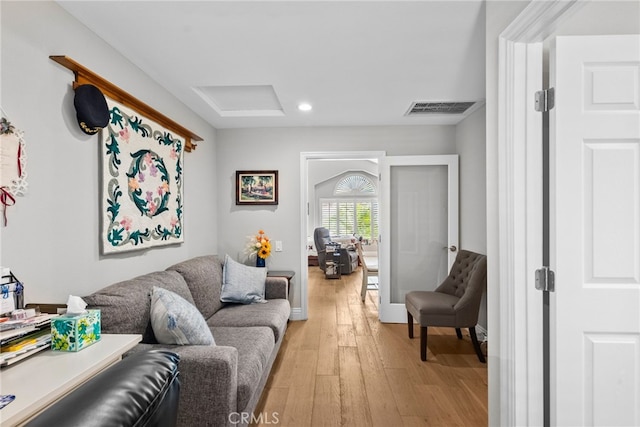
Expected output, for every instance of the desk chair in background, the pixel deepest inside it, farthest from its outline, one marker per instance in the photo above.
(369, 262)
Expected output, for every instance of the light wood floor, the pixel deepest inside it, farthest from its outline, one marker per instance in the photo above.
(342, 367)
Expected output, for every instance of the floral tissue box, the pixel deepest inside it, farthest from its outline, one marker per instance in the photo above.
(73, 333)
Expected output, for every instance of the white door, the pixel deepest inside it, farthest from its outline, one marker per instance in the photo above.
(595, 229)
(419, 228)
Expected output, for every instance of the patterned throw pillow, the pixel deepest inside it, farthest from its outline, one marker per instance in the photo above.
(241, 283)
(175, 321)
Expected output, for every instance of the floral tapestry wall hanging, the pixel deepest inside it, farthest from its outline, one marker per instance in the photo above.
(142, 204)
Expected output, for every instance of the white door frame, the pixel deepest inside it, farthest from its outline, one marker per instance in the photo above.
(516, 398)
(302, 313)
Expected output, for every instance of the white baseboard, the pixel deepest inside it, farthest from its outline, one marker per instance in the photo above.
(481, 333)
(296, 314)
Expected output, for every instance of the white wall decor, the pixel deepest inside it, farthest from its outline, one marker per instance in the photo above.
(13, 161)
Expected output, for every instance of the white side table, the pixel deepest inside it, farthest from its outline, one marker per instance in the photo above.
(42, 379)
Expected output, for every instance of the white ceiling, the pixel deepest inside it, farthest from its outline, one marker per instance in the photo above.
(357, 62)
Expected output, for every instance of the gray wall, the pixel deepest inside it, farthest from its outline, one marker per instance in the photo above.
(51, 241)
(602, 17)
(280, 148)
(471, 146)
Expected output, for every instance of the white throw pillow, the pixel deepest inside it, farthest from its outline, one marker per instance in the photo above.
(175, 321)
(242, 283)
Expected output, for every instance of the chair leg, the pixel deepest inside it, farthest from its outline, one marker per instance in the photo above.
(423, 343)
(365, 281)
(476, 344)
(459, 333)
(410, 324)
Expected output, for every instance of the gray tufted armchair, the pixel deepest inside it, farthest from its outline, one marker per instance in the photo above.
(454, 303)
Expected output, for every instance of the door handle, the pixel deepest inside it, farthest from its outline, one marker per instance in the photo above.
(452, 248)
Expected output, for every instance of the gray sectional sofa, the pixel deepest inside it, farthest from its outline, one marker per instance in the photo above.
(222, 383)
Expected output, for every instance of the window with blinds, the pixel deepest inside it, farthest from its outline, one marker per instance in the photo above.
(350, 216)
(353, 210)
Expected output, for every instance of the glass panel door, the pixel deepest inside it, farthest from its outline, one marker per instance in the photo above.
(420, 199)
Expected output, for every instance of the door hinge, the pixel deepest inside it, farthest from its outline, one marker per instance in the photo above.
(545, 100)
(545, 279)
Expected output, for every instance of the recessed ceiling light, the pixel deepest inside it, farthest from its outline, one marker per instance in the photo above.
(304, 106)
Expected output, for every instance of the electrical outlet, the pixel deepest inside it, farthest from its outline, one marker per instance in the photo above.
(278, 245)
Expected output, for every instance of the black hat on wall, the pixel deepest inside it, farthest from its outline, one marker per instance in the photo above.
(91, 109)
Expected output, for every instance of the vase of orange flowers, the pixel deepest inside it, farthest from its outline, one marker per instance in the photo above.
(259, 245)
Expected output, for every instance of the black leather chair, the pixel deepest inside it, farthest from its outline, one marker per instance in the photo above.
(348, 257)
(141, 390)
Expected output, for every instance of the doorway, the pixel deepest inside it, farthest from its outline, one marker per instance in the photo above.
(308, 208)
(413, 178)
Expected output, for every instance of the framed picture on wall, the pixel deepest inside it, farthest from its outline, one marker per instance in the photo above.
(256, 187)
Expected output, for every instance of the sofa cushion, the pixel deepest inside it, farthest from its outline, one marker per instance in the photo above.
(204, 278)
(254, 346)
(175, 321)
(125, 305)
(241, 283)
(273, 314)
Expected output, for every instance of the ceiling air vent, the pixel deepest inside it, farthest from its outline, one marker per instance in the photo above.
(439, 107)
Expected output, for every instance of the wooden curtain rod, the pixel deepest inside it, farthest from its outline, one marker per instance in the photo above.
(86, 76)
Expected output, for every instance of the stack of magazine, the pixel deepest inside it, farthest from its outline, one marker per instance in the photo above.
(21, 338)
